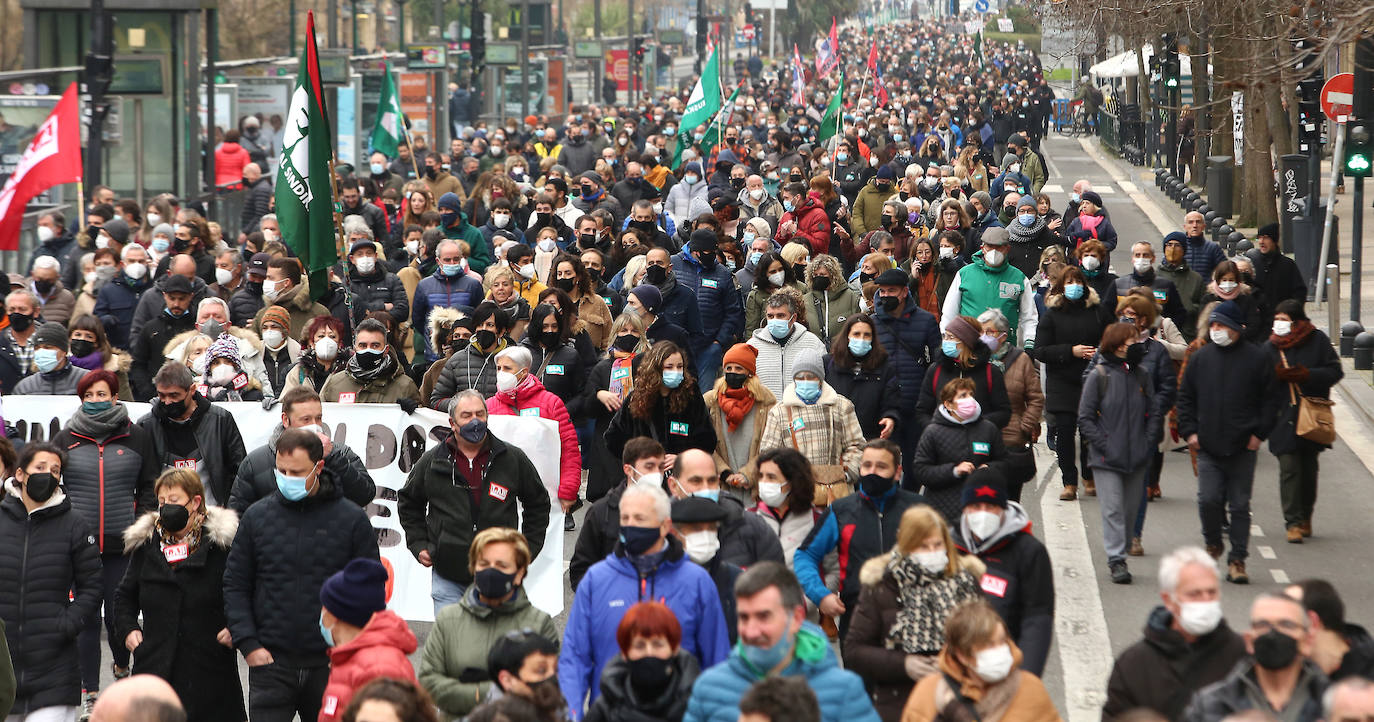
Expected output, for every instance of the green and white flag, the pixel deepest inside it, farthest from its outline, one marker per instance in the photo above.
(830, 124)
(702, 106)
(305, 206)
(722, 118)
(389, 130)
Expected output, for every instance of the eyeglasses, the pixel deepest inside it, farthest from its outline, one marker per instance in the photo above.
(1286, 626)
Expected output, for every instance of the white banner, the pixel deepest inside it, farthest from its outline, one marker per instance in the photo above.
(389, 442)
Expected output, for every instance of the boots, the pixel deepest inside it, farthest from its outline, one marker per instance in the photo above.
(1294, 535)
(1089, 488)
(1070, 493)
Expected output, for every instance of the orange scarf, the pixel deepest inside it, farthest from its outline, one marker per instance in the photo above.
(736, 404)
(622, 376)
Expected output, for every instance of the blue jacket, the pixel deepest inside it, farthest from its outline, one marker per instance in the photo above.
(859, 529)
(912, 340)
(609, 589)
(722, 310)
(440, 291)
(1202, 255)
(717, 692)
(680, 308)
(115, 305)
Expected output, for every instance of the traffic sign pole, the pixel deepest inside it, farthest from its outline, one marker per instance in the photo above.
(1331, 205)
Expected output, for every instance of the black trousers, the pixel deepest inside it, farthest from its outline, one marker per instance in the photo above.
(277, 693)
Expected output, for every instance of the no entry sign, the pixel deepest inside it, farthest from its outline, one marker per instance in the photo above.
(1338, 96)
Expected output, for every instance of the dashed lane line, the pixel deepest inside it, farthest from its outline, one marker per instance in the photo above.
(1266, 552)
(1279, 575)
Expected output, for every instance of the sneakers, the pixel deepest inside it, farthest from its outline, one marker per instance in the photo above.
(1294, 535)
(1137, 549)
(1070, 493)
(1235, 572)
(568, 523)
(87, 706)
(1120, 574)
(1089, 488)
(119, 672)
(1306, 528)
(1215, 550)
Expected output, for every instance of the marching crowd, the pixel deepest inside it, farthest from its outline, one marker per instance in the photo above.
(798, 374)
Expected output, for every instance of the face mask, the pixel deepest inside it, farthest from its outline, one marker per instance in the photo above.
(946, 252)
(1073, 291)
(993, 665)
(40, 487)
(1076, 198)
(1283, 328)
(1142, 265)
(326, 348)
(365, 264)
(161, 244)
(500, 220)
(808, 390)
(735, 380)
(889, 303)
(20, 322)
(691, 179)
(993, 258)
(91, 408)
(484, 338)
(173, 517)
(757, 194)
(841, 157)
(493, 583)
(950, 348)
(874, 485)
(294, 488)
(639, 539)
(1275, 650)
(451, 269)
(325, 633)
(273, 338)
(1173, 253)
(527, 271)
(1135, 353)
(983, 524)
(650, 673)
(103, 241)
(224, 276)
(788, 206)
(626, 342)
(672, 379)
(655, 274)
(222, 374)
(1026, 219)
(1220, 336)
(779, 328)
(1199, 618)
(1091, 263)
(932, 562)
(46, 234)
(506, 381)
(269, 290)
(968, 408)
(777, 278)
(45, 359)
(701, 546)
(860, 347)
(771, 493)
(135, 271)
(1228, 286)
(175, 409)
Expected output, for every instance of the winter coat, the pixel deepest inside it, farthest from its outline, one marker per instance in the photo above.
(1240, 688)
(827, 311)
(217, 436)
(813, 226)
(250, 358)
(563, 371)
(109, 480)
(827, 432)
(282, 554)
(1119, 417)
(1021, 376)
(678, 432)
(620, 701)
(59, 304)
(1021, 697)
(685, 202)
(245, 303)
(114, 306)
(302, 310)
(531, 399)
(373, 291)
(58, 382)
(1202, 255)
(774, 363)
(380, 650)
(384, 389)
(147, 350)
(912, 340)
(717, 692)
(1278, 277)
(453, 665)
(1067, 324)
(763, 402)
(256, 204)
(868, 651)
(1018, 583)
(1324, 371)
(440, 291)
(681, 308)
(978, 287)
(257, 478)
(182, 610)
(1227, 395)
(1168, 301)
(1081, 230)
(467, 368)
(1179, 668)
(946, 443)
(1255, 310)
(438, 516)
(988, 388)
(876, 394)
(230, 158)
(45, 556)
(277, 365)
(868, 208)
(859, 528)
(610, 588)
(152, 304)
(718, 300)
(756, 304)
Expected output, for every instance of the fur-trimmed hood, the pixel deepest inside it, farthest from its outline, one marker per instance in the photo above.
(439, 318)
(1057, 300)
(875, 569)
(250, 344)
(219, 527)
(118, 362)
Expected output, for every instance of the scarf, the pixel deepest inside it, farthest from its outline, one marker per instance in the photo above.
(924, 602)
(100, 426)
(365, 377)
(1090, 223)
(525, 384)
(1301, 330)
(191, 540)
(1023, 234)
(91, 361)
(735, 403)
(1216, 291)
(622, 378)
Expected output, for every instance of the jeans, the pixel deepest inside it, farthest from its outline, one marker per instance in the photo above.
(276, 692)
(112, 568)
(1225, 482)
(708, 366)
(1119, 496)
(443, 591)
(1298, 486)
(1065, 429)
(46, 714)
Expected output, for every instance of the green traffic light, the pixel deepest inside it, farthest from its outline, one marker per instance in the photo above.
(1357, 163)
(1172, 82)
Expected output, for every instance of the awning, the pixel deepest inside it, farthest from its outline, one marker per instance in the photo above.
(1124, 65)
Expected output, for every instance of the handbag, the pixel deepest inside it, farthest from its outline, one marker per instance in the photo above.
(1316, 422)
(831, 482)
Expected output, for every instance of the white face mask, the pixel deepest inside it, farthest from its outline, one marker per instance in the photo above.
(1227, 286)
(135, 270)
(1199, 618)
(983, 524)
(412, 247)
(757, 194)
(653, 478)
(993, 258)
(771, 493)
(1142, 265)
(505, 381)
(993, 665)
(365, 264)
(273, 338)
(154, 219)
(1091, 263)
(90, 277)
(198, 366)
(1220, 336)
(777, 278)
(932, 562)
(45, 234)
(500, 220)
(326, 349)
(102, 241)
(527, 271)
(946, 252)
(269, 235)
(701, 546)
(1282, 328)
(269, 290)
(222, 374)
(224, 276)
(313, 427)
(547, 245)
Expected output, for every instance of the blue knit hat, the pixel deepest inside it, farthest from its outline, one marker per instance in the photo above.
(1229, 314)
(356, 592)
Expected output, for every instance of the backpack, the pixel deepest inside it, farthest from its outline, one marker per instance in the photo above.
(1100, 376)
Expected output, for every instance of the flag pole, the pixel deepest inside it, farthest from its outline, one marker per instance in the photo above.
(405, 125)
(81, 202)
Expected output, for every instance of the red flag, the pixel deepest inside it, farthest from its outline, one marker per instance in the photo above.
(53, 158)
(873, 57)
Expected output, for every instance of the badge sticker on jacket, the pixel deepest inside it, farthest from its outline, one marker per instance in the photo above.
(348, 397)
(620, 373)
(996, 586)
(678, 428)
(982, 448)
(1161, 296)
(556, 369)
(175, 552)
(1009, 290)
(498, 492)
(531, 411)
(798, 424)
(709, 283)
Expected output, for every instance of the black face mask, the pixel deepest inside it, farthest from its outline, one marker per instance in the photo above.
(874, 486)
(565, 285)
(656, 274)
(431, 172)
(484, 338)
(865, 277)
(546, 695)
(820, 283)
(20, 321)
(626, 342)
(173, 517)
(586, 240)
(550, 338)
(707, 260)
(890, 303)
(369, 361)
(1275, 650)
(43, 287)
(40, 487)
(173, 410)
(737, 183)
(735, 380)
(493, 583)
(1135, 353)
(651, 673)
(81, 347)
(473, 432)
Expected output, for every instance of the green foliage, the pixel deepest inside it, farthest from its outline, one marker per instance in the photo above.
(1032, 40)
(1023, 21)
(813, 17)
(613, 17)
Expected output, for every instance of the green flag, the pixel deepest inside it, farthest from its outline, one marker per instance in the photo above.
(830, 124)
(701, 106)
(713, 132)
(389, 130)
(305, 207)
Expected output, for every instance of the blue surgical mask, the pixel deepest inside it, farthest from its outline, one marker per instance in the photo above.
(765, 659)
(860, 347)
(1076, 198)
(292, 487)
(325, 632)
(749, 237)
(45, 359)
(452, 269)
(161, 244)
(841, 157)
(672, 379)
(1073, 291)
(377, 168)
(779, 327)
(712, 494)
(808, 390)
(1026, 219)
(788, 206)
(755, 257)
(950, 348)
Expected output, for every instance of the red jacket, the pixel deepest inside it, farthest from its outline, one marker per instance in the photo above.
(230, 158)
(813, 225)
(380, 651)
(530, 398)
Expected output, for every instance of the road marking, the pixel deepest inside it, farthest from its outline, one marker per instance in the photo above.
(1052, 188)
(1129, 187)
(1279, 575)
(1080, 624)
(1266, 552)
(1256, 531)
(1104, 190)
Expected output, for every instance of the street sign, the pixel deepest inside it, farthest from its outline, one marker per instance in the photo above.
(426, 57)
(1338, 96)
(748, 30)
(587, 50)
(981, 6)
(503, 54)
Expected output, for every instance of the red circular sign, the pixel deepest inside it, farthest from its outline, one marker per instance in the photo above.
(1338, 96)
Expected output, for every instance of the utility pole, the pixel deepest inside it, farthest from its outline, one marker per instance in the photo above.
(353, 11)
(333, 12)
(99, 73)
(631, 65)
(1358, 159)
(211, 58)
(400, 25)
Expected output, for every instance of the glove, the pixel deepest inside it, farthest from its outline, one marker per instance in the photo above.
(268, 402)
(408, 405)
(1292, 374)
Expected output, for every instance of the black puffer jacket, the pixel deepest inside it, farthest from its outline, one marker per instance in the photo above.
(619, 703)
(467, 368)
(1228, 394)
(245, 303)
(1063, 325)
(563, 373)
(257, 476)
(373, 291)
(148, 347)
(110, 480)
(282, 553)
(1324, 371)
(945, 444)
(988, 387)
(217, 435)
(1178, 668)
(44, 556)
(876, 394)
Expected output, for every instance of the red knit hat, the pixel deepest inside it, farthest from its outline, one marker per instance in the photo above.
(742, 354)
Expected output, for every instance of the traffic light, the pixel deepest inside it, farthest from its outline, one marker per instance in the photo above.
(638, 46)
(1357, 160)
(1169, 66)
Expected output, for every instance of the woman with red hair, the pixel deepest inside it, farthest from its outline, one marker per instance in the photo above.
(652, 677)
